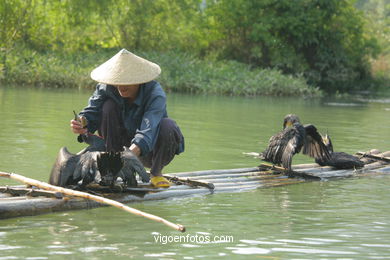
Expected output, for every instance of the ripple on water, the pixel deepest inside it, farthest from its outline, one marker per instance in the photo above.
(296, 246)
(248, 250)
(189, 245)
(376, 245)
(383, 100)
(257, 242)
(163, 254)
(324, 240)
(55, 246)
(312, 251)
(7, 247)
(340, 104)
(95, 249)
(306, 242)
(60, 253)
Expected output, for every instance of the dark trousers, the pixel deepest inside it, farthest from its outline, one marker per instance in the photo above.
(170, 140)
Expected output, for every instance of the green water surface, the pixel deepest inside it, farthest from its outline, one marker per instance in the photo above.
(338, 219)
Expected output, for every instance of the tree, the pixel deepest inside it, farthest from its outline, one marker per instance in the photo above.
(324, 39)
(13, 22)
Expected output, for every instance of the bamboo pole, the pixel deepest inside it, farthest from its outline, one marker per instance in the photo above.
(85, 195)
(380, 157)
(209, 172)
(30, 192)
(189, 182)
(200, 174)
(266, 166)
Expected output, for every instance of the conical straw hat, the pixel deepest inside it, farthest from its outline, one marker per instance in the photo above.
(126, 68)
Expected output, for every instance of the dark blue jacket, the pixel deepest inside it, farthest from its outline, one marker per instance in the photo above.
(141, 119)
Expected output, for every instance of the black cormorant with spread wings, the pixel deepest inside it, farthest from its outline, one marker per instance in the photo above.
(95, 164)
(291, 140)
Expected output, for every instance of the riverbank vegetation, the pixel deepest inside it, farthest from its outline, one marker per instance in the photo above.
(181, 73)
(234, 47)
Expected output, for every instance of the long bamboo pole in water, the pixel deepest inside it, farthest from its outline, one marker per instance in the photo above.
(85, 195)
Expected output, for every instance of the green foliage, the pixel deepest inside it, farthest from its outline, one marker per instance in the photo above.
(378, 24)
(51, 70)
(378, 16)
(153, 24)
(14, 15)
(322, 39)
(326, 41)
(181, 73)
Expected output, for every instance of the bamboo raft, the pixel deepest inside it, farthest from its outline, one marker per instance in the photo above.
(21, 200)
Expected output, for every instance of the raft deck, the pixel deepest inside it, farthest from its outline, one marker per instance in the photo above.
(20, 200)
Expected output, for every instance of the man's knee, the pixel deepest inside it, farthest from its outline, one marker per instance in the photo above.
(167, 125)
(171, 135)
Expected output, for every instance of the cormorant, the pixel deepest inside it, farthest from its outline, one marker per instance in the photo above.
(339, 160)
(94, 164)
(291, 140)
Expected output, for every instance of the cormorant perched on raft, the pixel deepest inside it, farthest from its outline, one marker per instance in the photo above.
(94, 164)
(291, 140)
(339, 160)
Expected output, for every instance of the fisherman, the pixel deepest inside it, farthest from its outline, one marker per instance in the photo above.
(128, 108)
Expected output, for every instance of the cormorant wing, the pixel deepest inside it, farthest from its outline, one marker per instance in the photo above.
(284, 145)
(314, 146)
(86, 168)
(63, 168)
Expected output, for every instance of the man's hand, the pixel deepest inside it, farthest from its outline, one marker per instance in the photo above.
(135, 149)
(77, 127)
(132, 165)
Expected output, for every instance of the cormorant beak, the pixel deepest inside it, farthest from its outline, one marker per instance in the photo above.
(288, 124)
(325, 139)
(327, 142)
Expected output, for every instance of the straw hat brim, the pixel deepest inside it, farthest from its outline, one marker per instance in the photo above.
(126, 68)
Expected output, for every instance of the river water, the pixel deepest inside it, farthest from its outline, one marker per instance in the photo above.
(338, 219)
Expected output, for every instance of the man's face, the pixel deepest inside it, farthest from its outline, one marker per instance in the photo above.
(128, 90)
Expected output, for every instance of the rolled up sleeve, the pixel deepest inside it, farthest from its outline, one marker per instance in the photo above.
(146, 135)
(93, 110)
